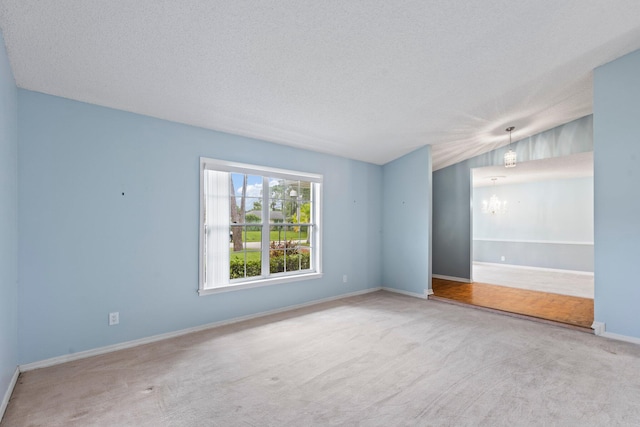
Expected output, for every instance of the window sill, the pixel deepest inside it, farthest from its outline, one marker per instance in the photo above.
(260, 283)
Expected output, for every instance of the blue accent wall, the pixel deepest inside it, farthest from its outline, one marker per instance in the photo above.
(452, 221)
(406, 246)
(108, 205)
(8, 224)
(617, 194)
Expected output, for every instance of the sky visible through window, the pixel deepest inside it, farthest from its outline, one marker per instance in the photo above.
(254, 185)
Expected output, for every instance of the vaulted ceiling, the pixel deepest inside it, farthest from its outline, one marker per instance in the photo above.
(366, 79)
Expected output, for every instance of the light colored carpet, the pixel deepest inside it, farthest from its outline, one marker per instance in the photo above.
(563, 282)
(376, 360)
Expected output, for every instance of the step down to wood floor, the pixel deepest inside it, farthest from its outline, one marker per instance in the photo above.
(508, 313)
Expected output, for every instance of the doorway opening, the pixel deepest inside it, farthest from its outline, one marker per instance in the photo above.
(532, 240)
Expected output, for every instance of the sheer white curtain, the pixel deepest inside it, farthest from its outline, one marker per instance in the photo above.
(217, 213)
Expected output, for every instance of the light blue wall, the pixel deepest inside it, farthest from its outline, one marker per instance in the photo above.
(550, 210)
(86, 249)
(8, 224)
(452, 191)
(548, 224)
(617, 194)
(406, 214)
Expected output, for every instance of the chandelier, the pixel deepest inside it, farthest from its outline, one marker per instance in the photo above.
(510, 156)
(494, 205)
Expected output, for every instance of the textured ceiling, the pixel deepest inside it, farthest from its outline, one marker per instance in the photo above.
(365, 79)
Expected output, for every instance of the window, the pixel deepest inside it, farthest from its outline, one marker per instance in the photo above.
(258, 226)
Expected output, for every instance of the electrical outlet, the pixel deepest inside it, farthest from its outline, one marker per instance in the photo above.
(114, 318)
(502, 258)
(344, 278)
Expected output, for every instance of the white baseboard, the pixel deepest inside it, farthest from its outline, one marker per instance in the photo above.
(407, 293)
(526, 267)
(134, 343)
(7, 394)
(455, 279)
(600, 329)
(619, 337)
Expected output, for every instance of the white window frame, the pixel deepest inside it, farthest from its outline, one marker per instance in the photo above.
(316, 262)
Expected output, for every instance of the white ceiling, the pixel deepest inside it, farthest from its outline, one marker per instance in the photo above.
(366, 79)
(574, 166)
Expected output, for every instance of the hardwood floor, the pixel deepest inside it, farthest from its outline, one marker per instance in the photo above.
(565, 309)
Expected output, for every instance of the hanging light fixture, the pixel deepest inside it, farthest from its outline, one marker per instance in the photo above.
(494, 206)
(510, 156)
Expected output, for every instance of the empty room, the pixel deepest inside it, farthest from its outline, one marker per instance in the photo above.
(237, 213)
